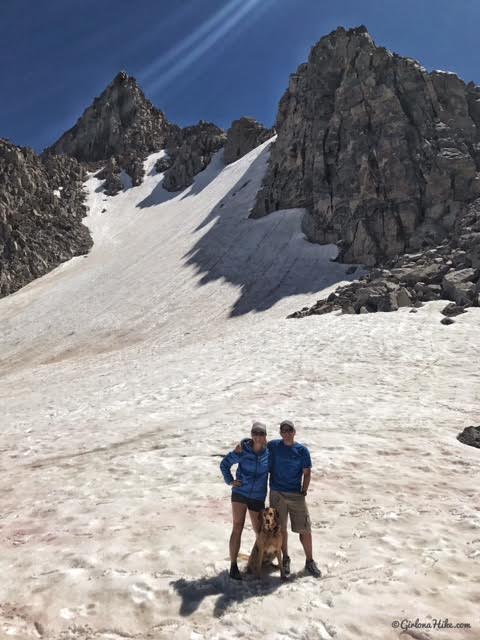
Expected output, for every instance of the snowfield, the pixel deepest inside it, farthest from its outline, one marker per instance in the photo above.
(127, 374)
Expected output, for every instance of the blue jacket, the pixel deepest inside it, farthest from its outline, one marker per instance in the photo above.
(252, 471)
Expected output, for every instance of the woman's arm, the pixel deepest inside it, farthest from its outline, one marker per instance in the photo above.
(226, 464)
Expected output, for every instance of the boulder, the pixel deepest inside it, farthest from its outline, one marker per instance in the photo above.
(459, 286)
(426, 273)
(470, 436)
(404, 299)
(452, 310)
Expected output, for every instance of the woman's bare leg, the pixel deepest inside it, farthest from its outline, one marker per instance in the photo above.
(239, 511)
(256, 520)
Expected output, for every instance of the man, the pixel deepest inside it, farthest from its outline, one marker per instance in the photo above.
(290, 470)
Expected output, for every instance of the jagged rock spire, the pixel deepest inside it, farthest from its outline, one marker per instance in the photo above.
(122, 127)
(120, 121)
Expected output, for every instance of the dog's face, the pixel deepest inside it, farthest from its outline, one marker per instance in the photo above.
(270, 519)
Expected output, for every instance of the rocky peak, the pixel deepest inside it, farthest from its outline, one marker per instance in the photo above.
(382, 154)
(120, 121)
(122, 127)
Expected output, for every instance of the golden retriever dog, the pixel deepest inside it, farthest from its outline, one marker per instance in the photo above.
(268, 544)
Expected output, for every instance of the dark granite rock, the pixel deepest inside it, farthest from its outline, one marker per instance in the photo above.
(470, 436)
(244, 135)
(452, 310)
(164, 163)
(41, 211)
(460, 286)
(111, 174)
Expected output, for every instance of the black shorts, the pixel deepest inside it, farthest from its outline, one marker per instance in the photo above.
(252, 505)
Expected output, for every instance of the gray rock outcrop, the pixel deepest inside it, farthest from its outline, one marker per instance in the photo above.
(244, 135)
(111, 175)
(189, 151)
(382, 154)
(41, 211)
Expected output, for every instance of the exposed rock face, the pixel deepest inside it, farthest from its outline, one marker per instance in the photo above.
(190, 151)
(470, 436)
(383, 155)
(111, 174)
(41, 208)
(121, 125)
(244, 135)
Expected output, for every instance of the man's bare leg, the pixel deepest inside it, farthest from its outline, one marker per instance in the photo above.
(306, 540)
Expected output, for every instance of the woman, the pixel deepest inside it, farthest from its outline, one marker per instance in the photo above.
(249, 489)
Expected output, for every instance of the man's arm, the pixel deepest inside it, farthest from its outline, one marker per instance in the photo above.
(239, 447)
(307, 474)
(307, 470)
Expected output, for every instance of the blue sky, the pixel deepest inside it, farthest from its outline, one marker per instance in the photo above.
(214, 60)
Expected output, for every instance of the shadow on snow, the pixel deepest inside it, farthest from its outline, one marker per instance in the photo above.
(230, 592)
(268, 258)
(201, 180)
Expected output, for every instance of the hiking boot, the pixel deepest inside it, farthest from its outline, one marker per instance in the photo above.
(286, 565)
(235, 572)
(312, 569)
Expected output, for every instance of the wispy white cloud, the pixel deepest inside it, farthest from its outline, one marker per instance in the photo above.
(163, 71)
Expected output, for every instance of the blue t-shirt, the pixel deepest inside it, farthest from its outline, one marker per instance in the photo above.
(287, 465)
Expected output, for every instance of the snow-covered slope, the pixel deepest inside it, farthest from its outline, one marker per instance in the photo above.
(125, 375)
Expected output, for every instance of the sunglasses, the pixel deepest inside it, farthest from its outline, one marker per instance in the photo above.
(258, 433)
(286, 430)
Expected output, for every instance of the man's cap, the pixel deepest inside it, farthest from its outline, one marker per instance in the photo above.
(259, 426)
(287, 423)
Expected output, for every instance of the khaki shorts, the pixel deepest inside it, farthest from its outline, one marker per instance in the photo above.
(293, 505)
